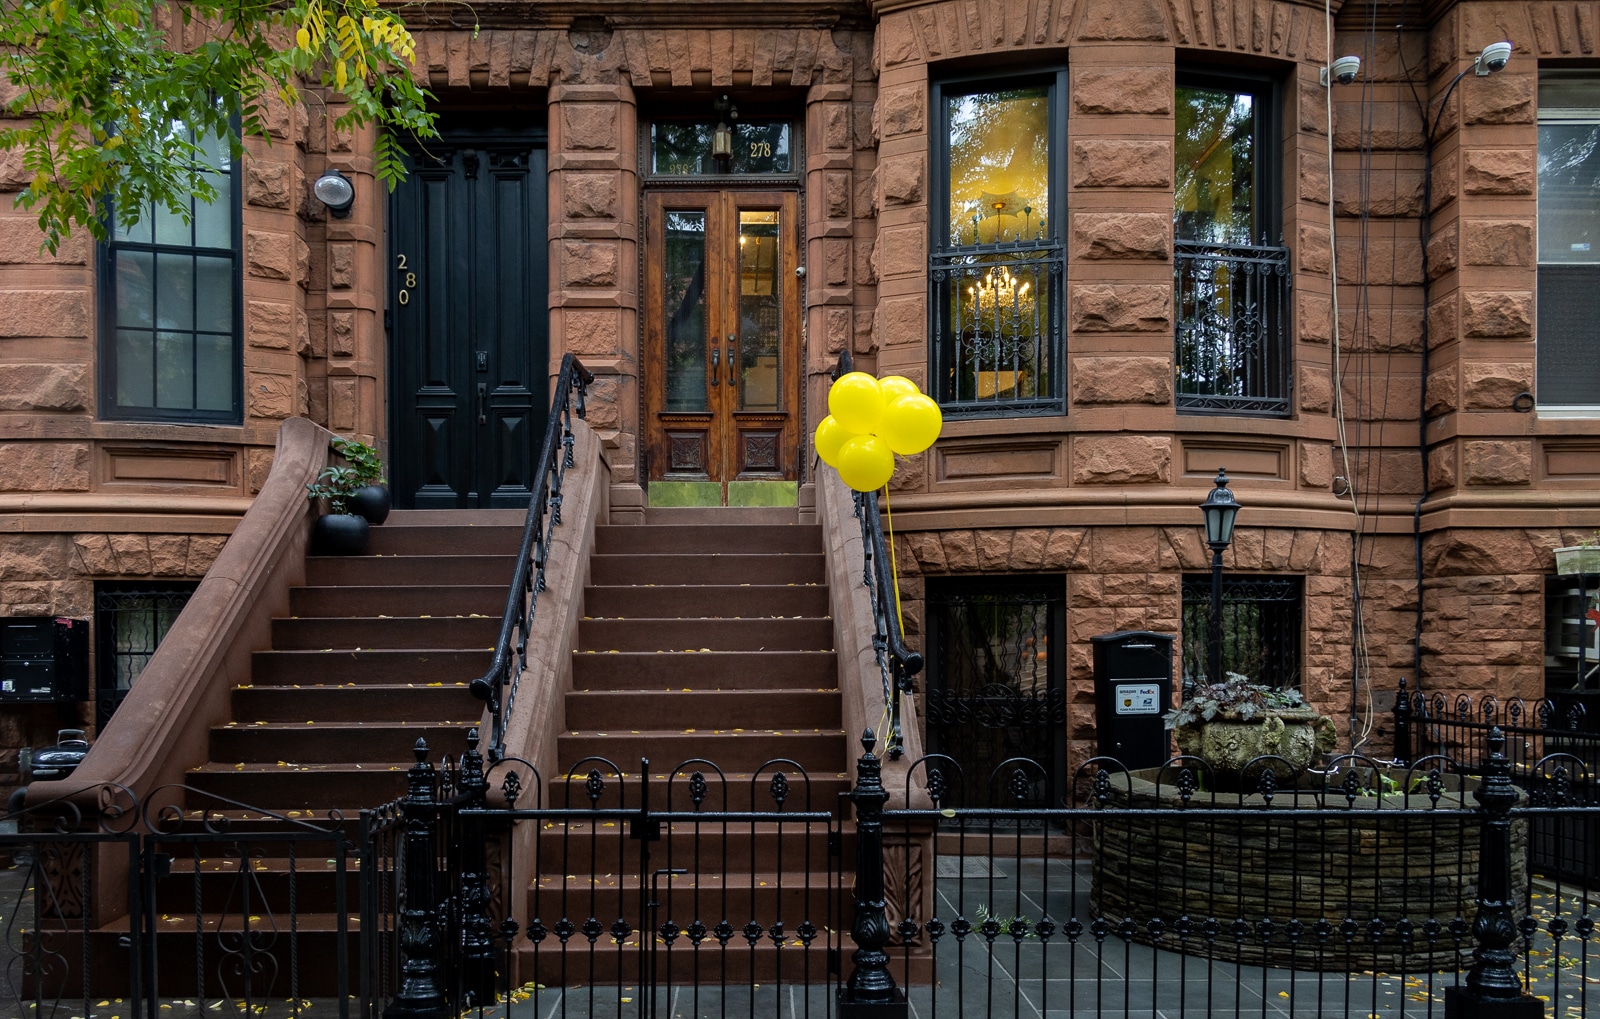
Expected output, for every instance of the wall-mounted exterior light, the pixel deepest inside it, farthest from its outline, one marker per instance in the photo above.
(336, 191)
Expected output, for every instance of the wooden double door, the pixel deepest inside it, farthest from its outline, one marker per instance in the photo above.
(722, 338)
(469, 318)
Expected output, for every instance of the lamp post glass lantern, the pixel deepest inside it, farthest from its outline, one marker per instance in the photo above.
(1220, 509)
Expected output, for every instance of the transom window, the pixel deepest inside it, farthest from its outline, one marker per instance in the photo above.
(699, 148)
(1231, 276)
(997, 266)
(170, 307)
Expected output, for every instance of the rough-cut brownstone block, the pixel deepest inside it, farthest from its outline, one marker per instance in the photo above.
(269, 255)
(1488, 385)
(1499, 172)
(836, 194)
(1109, 20)
(1497, 242)
(900, 251)
(589, 126)
(900, 110)
(43, 467)
(588, 263)
(1496, 462)
(1122, 380)
(1497, 313)
(269, 324)
(1393, 125)
(1122, 459)
(1444, 250)
(1394, 193)
(900, 180)
(1314, 317)
(589, 195)
(341, 334)
(1440, 394)
(1316, 389)
(1122, 235)
(1316, 253)
(960, 551)
(341, 266)
(902, 321)
(1442, 466)
(590, 332)
(1112, 308)
(44, 313)
(1122, 90)
(1316, 467)
(43, 387)
(994, 549)
(1499, 99)
(267, 184)
(1121, 163)
(269, 395)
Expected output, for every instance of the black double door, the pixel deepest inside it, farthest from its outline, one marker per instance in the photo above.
(469, 341)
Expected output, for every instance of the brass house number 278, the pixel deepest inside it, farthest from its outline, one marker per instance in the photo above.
(404, 296)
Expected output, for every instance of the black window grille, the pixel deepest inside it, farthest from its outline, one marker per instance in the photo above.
(997, 265)
(996, 686)
(1261, 622)
(170, 307)
(131, 619)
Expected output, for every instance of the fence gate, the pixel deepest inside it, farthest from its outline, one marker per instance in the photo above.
(660, 892)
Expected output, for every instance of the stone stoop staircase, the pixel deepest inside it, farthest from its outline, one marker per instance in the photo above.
(706, 635)
(378, 650)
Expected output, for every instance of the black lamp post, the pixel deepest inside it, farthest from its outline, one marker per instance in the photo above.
(1219, 508)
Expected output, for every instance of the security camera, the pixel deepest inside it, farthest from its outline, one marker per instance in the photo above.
(1493, 58)
(1345, 69)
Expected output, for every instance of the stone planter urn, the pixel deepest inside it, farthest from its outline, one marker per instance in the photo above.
(1228, 744)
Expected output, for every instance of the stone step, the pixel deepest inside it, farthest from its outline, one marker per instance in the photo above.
(663, 539)
(368, 667)
(705, 635)
(736, 568)
(394, 633)
(388, 600)
(673, 709)
(410, 570)
(290, 744)
(715, 670)
(729, 601)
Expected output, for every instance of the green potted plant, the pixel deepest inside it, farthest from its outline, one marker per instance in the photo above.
(371, 499)
(338, 531)
(1230, 723)
(1584, 557)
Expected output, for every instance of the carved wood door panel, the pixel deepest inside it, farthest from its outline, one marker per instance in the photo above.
(722, 336)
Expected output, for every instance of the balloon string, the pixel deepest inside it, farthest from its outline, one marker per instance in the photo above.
(894, 569)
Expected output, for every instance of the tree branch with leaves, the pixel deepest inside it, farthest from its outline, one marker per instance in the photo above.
(112, 101)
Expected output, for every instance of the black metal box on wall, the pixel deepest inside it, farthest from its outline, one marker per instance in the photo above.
(44, 658)
(1133, 689)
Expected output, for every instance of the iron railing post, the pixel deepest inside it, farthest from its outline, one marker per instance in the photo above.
(1403, 747)
(870, 993)
(421, 940)
(1493, 989)
(477, 929)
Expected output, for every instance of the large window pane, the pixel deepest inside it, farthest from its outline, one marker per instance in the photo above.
(999, 165)
(176, 351)
(1569, 192)
(1215, 185)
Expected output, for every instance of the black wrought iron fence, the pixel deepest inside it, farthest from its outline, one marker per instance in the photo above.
(1233, 333)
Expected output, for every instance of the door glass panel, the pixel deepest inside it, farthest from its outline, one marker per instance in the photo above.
(760, 312)
(684, 309)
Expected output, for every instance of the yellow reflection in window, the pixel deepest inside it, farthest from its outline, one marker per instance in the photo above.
(999, 165)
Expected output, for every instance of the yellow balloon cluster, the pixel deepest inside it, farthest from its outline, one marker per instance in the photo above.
(869, 421)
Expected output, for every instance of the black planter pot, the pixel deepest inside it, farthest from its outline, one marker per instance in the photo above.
(339, 534)
(372, 502)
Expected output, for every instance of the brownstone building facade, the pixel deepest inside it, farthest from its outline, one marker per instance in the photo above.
(1108, 235)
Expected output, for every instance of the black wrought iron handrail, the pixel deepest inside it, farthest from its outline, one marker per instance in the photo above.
(897, 662)
(498, 685)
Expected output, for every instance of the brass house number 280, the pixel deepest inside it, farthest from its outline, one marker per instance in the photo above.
(404, 296)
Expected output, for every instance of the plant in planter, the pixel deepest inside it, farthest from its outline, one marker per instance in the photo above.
(339, 531)
(370, 499)
(1228, 724)
(1584, 557)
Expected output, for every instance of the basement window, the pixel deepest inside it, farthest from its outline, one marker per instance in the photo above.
(130, 620)
(1261, 626)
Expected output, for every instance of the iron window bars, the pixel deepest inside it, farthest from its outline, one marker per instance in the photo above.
(1232, 314)
(1261, 623)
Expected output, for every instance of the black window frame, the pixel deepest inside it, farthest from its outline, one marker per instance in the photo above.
(114, 597)
(106, 284)
(1566, 294)
(1195, 616)
(1265, 258)
(1049, 255)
